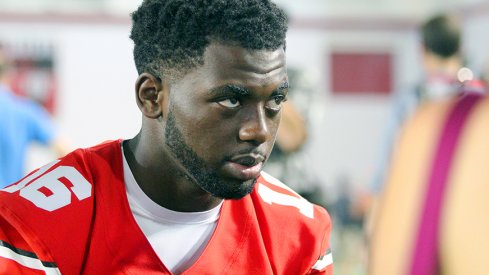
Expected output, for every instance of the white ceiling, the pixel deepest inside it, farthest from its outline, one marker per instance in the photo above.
(394, 9)
(412, 10)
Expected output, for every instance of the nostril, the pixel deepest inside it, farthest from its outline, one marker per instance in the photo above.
(256, 135)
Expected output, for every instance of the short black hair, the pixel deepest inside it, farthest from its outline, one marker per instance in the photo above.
(441, 35)
(170, 36)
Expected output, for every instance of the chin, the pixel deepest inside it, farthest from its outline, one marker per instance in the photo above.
(232, 190)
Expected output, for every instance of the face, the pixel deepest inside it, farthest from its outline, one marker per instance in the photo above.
(223, 117)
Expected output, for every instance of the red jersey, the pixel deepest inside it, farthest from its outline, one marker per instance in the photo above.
(72, 216)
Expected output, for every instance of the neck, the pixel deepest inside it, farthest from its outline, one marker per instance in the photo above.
(164, 179)
(436, 64)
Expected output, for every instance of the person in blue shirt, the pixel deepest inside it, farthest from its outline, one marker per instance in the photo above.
(22, 122)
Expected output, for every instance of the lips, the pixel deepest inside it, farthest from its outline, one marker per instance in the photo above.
(248, 159)
(244, 166)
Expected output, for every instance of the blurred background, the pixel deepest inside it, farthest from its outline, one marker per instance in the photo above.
(346, 58)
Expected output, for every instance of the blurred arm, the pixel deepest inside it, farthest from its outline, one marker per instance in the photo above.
(292, 132)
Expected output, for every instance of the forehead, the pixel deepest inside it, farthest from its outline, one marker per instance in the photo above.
(224, 64)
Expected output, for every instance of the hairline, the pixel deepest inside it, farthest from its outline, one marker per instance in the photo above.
(172, 74)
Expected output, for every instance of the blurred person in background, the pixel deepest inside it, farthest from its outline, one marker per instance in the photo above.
(431, 218)
(22, 122)
(187, 193)
(443, 75)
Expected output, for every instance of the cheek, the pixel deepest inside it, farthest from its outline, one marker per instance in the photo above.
(273, 125)
(207, 133)
(219, 134)
(273, 128)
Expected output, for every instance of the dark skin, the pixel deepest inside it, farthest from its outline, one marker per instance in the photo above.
(230, 105)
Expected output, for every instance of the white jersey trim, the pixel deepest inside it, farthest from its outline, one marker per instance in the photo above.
(270, 196)
(27, 261)
(324, 261)
(271, 179)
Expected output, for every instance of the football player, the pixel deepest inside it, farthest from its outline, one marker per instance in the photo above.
(187, 194)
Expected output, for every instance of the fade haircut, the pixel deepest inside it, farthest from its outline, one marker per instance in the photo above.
(441, 35)
(170, 36)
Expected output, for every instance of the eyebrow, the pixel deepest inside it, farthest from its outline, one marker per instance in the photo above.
(230, 89)
(281, 88)
(242, 92)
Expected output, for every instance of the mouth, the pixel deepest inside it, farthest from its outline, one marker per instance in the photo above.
(248, 159)
(244, 166)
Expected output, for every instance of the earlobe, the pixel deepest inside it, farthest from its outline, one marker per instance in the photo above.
(150, 95)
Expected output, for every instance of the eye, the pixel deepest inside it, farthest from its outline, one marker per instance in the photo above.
(275, 103)
(229, 102)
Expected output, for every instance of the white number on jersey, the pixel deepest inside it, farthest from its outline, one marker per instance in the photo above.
(270, 196)
(55, 194)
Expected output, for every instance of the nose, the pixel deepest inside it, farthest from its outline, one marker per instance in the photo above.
(255, 127)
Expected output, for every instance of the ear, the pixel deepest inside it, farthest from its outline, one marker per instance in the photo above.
(151, 95)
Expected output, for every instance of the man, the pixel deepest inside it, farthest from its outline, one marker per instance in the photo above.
(431, 217)
(185, 195)
(22, 122)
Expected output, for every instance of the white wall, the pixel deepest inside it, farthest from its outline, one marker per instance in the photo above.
(97, 78)
(346, 131)
(477, 47)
